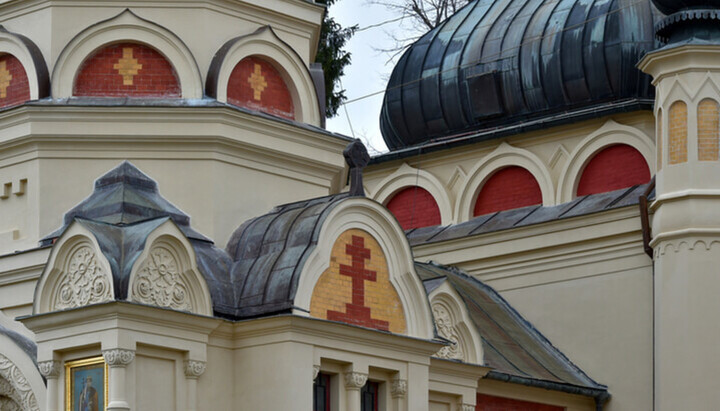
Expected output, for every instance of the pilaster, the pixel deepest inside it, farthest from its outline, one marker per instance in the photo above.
(354, 381)
(193, 371)
(51, 371)
(117, 359)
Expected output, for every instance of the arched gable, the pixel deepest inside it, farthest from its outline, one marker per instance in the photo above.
(126, 27)
(127, 70)
(453, 323)
(407, 176)
(76, 274)
(266, 45)
(503, 156)
(166, 273)
(611, 133)
(366, 219)
(26, 56)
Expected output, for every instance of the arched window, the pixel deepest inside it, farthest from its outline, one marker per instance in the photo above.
(414, 207)
(613, 168)
(510, 187)
(14, 85)
(677, 133)
(708, 130)
(254, 83)
(127, 70)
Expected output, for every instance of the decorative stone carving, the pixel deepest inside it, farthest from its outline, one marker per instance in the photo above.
(465, 407)
(355, 380)
(84, 282)
(446, 329)
(49, 369)
(398, 388)
(21, 390)
(8, 404)
(316, 371)
(118, 357)
(194, 369)
(158, 282)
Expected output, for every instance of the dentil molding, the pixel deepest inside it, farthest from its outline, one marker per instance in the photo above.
(118, 357)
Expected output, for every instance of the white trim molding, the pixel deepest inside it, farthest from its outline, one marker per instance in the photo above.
(610, 133)
(265, 44)
(371, 217)
(503, 156)
(126, 26)
(31, 59)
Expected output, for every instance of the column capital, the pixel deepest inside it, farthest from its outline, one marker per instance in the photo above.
(194, 369)
(355, 380)
(118, 357)
(465, 407)
(316, 371)
(398, 388)
(49, 369)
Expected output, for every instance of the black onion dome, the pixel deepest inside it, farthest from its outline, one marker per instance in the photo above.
(496, 63)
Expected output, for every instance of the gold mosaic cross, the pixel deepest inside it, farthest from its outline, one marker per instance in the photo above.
(127, 66)
(5, 78)
(257, 82)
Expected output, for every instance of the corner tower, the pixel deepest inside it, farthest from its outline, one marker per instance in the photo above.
(686, 225)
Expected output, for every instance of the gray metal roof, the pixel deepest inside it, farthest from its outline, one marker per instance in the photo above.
(501, 62)
(269, 253)
(519, 217)
(24, 343)
(511, 345)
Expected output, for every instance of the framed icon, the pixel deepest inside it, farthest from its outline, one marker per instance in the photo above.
(86, 385)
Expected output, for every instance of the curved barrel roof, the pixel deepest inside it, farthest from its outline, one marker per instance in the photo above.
(500, 62)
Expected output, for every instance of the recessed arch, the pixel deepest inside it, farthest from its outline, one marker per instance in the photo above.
(265, 44)
(612, 168)
(256, 84)
(126, 27)
(610, 133)
(678, 132)
(708, 124)
(414, 207)
(375, 220)
(454, 323)
(407, 176)
(503, 156)
(31, 59)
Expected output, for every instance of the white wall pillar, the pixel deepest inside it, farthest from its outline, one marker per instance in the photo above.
(354, 381)
(117, 359)
(193, 371)
(398, 391)
(51, 371)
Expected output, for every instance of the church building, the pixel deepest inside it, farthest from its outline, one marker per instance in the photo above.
(179, 231)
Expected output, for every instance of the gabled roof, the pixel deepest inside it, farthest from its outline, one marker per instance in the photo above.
(511, 345)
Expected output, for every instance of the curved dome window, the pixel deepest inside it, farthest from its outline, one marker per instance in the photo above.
(127, 70)
(14, 85)
(613, 168)
(256, 84)
(708, 130)
(510, 187)
(414, 207)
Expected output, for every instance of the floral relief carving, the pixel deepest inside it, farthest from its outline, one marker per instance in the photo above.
(158, 282)
(398, 388)
(118, 357)
(84, 282)
(355, 380)
(8, 404)
(20, 392)
(447, 329)
(194, 369)
(49, 369)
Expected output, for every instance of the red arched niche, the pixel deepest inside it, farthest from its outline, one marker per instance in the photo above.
(613, 168)
(127, 70)
(414, 207)
(14, 85)
(492, 403)
(510, 187)
(256, 84)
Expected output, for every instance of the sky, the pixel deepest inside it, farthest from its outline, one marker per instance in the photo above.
(368, 72)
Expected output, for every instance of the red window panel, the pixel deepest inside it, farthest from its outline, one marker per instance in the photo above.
(127, 70)
(613, 168)
(254, 83)
(414, 207)
(510, 187)
(492, 403)
(14, 85)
